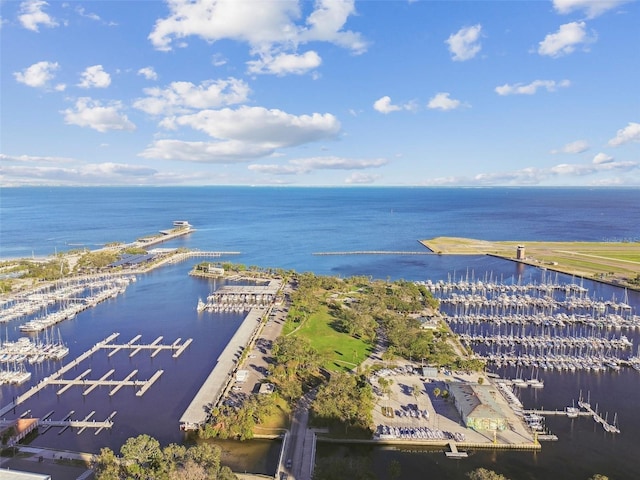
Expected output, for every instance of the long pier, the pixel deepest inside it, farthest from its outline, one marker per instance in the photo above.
(557, 412)
(176, 347)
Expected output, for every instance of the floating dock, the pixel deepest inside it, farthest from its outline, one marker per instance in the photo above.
(45, 423)
(56, 378)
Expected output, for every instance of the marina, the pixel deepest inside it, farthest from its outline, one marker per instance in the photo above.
(239, 298)
(89, 384)
(24, 349)
(542, 326)
(62, 300)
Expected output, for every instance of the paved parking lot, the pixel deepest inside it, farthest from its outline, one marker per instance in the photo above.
(427, 417)
(259, 357)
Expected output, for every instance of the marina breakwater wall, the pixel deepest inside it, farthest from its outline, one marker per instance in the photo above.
(222, 374)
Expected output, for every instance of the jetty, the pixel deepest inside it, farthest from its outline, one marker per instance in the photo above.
(223, 373)
(45, 423)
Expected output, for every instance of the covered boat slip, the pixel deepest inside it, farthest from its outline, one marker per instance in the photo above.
(223, 372)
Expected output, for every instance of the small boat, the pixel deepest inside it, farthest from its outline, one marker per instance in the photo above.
(572, 412)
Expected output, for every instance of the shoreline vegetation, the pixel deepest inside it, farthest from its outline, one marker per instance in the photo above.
(614, 263)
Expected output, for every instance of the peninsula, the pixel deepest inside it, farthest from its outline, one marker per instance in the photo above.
(617, 263)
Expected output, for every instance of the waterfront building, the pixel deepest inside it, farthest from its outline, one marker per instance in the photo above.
(478, 407)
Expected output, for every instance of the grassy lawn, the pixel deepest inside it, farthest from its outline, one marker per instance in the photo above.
(278, 419)
(341, 351)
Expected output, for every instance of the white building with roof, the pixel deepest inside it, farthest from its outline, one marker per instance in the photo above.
(478, 406)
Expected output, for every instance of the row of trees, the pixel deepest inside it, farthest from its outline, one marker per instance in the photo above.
(238, 422)
(296, 368)
(142, 457)
(345, 398)
(485, 474)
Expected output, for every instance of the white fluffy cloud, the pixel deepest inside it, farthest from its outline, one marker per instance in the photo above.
(565, 40)
(184, 97)
(384, 105)
(442, 101)
(83, 174)
(592, 8)
(32, 15)
(91, 113)
(224, 152)
(285, 63)
(257, 125)
(272, 29)
(94, 76)
(531, 88)
(630, 133)
(33, 159)
(241, 134)
(149, 73)
(601, 158)
(578, 146)
(37, 75)
(464, 44)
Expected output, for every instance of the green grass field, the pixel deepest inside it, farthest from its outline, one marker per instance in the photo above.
(615, 262)
(341, 352)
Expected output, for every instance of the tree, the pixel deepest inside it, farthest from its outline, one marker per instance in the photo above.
(141, 454)
(346, 399)
(106, 465)
(385, 385)
(484, 474)
(143, 459)
(415, 391)
(598, 476)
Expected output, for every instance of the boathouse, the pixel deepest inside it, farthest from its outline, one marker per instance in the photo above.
(478, 407)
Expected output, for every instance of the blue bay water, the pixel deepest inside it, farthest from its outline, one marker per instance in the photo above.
(282, 228)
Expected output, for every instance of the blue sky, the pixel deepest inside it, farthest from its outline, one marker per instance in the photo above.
(331, 92)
